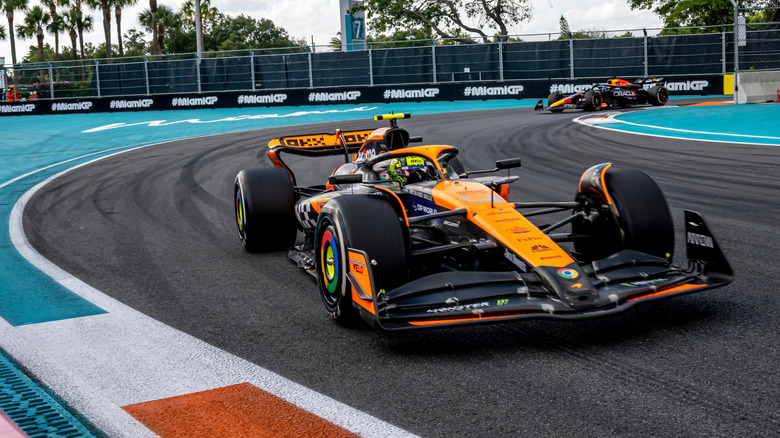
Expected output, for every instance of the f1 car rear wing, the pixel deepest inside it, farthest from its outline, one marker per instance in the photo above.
(322, 143)
(643, 81)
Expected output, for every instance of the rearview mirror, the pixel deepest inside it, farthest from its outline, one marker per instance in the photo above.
(509, 163)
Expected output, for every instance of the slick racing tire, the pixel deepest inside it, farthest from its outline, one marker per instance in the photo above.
(592, 100)
(643, 221)
(658, 95)
(364, 223)
(264, 201)
(554, 97)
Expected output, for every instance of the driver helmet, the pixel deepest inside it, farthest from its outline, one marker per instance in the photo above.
(402, 168)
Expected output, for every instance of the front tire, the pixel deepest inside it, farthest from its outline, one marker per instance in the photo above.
(264, 201)
(552, 98)
(592, 100)
(364, 223)
(638, 219)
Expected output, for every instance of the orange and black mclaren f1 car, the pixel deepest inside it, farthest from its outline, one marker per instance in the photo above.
(404, 237)
(615, 93)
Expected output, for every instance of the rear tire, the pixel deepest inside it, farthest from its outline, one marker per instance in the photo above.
(364, 223)
(552, 98)
(643, 221)
(264, 201)
(658, 95)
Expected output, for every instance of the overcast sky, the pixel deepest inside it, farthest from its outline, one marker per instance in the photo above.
(320, 18)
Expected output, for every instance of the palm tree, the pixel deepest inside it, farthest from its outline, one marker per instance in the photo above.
(34, 23)
(165, 19)
(2, 32)
(55, 26)
(105, 7)
(70, 23)
(83, 23)
(9, 7)
(118, 6)
(207, 14)
(156, 47)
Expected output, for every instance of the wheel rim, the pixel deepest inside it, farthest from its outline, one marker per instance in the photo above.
(240, 214)
(330, 265)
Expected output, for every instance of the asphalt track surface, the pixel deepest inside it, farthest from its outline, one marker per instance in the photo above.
(154, 229)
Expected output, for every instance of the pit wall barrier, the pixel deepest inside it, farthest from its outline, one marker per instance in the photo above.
(757, 87)
(358, 95)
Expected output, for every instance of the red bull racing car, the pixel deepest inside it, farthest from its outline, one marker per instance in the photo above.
(615, 93)
(404, 237)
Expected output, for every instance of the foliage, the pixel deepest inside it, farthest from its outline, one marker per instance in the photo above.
(243, 32)
(682, 13)
(442, 16)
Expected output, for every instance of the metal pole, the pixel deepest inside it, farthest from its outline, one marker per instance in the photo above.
(723, 47)
(252, 68)
(433, 58)
(197, 70)
(146, 75)
(198, 29)
(645, 32)
(571, 56)
(97, 76)
(311, 72)
(736, 50)
(51, 81)
(501, 59)
(370, 66)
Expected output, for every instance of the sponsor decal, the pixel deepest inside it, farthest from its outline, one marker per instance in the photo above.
(498, 213)
(515, 260)
(129, 104)
(451, 224)
(358, 268)
(24, 108)
(334, 97)
(268, 98)
(506, 90)
(551, 257)
(419, 207)
(518, 230)
(502, 302)
(687, 85)
(529, 238)
(569, 274)
(508, 219)
(459, 308)
(624, 93)
(701, 240)
(540, 248)
(410, 94)
(77, 106)
(421, 195)
(640, 283)
(570, 88)
(194, 101)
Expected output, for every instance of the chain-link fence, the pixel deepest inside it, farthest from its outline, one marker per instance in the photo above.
(625, 53)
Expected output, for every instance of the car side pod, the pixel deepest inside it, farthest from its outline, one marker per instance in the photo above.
(704, 254)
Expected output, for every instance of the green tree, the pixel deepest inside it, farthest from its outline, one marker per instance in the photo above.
(565, 31)
(118, 6)
(135, 43)
(167, 22)
(679, 13)
(70, 25)
(34, 23)
(2, 32)
(447, 17)
(242, 32)
(10, 7)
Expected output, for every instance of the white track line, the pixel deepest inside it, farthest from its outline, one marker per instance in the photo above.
(124, 357)
(603, 123)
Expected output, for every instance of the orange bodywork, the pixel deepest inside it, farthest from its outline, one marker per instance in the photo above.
(359, 275)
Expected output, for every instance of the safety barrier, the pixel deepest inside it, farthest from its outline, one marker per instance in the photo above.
(758, 87)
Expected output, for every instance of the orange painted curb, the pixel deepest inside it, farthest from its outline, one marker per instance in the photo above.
(242, 410)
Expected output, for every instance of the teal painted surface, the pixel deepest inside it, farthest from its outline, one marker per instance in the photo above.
(35, 412)
(728, 123)
(34, 148)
